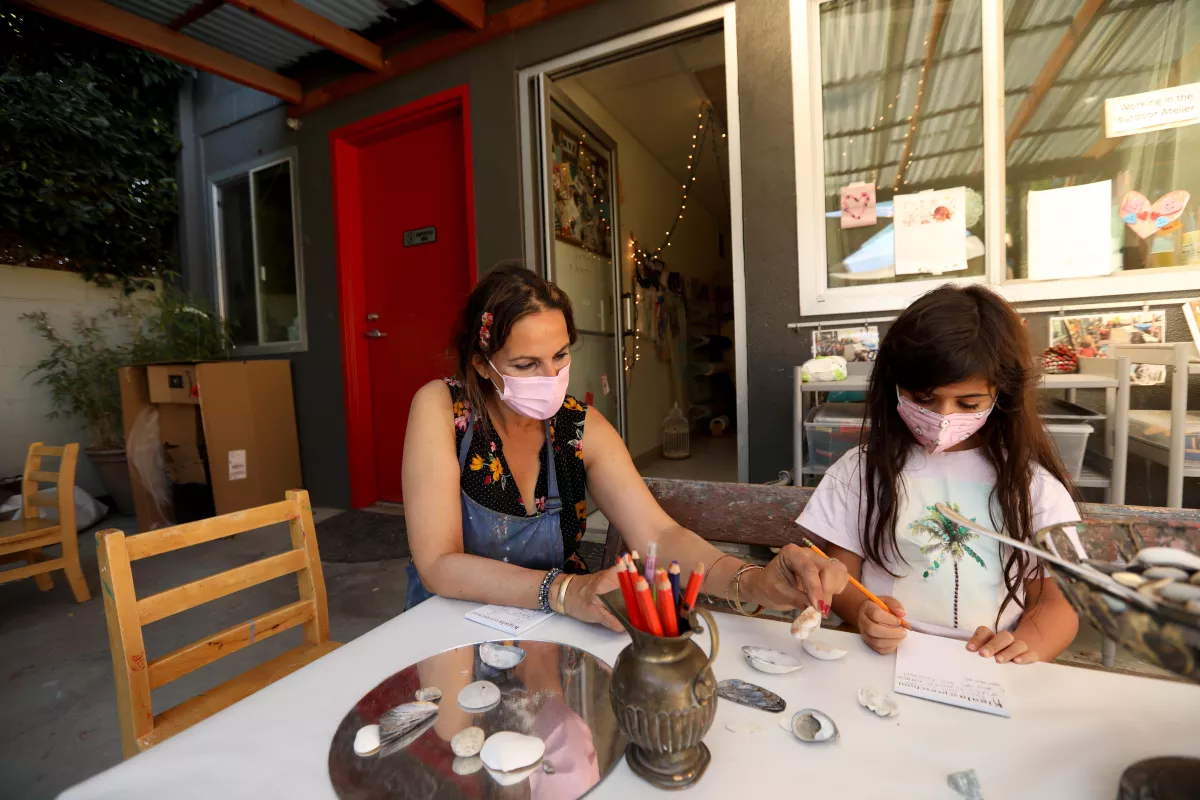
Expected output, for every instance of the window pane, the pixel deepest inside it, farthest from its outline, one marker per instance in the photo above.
(902, 101)
(276, 253)
(237, 260)
(1057, 139)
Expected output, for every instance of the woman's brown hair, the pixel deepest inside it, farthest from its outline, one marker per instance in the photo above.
(950, 335)
(508, 292)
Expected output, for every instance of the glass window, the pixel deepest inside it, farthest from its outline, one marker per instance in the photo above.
(257, 242)
(1066, 62)
(902, 111)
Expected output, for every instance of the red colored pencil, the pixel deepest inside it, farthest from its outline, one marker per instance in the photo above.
(631, 605)
(666, 605)
(646, 604)
(695, 581)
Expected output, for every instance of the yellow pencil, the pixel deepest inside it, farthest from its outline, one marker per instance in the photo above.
(859, 586)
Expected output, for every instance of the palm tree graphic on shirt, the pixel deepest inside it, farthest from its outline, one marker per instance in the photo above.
(949, 541)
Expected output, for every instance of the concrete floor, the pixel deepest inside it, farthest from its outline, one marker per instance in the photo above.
(713, 458)
(58, 713)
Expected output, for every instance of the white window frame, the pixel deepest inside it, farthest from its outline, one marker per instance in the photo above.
(215, 182)
(818, 298)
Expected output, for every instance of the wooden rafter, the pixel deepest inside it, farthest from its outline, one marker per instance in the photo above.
(133, 30)
(502, 23)
(295, 18)
(198, 11)
(471, 12)
(936, 25)
(887, 106)
(1058, 59)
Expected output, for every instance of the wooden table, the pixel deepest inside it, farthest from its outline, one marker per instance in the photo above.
(1071, 734)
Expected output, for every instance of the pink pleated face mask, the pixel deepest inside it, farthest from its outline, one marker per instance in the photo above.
(536, 397)
(935, 431)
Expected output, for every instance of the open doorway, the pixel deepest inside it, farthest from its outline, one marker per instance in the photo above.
(633, 207)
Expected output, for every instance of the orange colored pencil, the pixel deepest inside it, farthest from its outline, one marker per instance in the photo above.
(870, 595)
(695, 581)
(646, 604)
(666, 605)
(631, 604)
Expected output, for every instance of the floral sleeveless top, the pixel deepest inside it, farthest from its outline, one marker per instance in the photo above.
(486, 478)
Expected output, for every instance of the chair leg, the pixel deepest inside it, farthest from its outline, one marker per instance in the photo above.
(74, 572)
(44, 582)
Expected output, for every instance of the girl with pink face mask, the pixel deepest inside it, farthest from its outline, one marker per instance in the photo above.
(952, 416)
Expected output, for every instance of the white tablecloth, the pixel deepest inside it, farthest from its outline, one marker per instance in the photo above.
(1071, 734)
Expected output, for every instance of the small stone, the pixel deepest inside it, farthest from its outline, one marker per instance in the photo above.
(468, 742)
(1193, 607)
(1130, 579)
(467, 766)
(1107, 567)
(1195, 579)
(366, 741)
(1179, 592)
(428, 694)
(1157, 573)
(479, 696)
(1168, 557)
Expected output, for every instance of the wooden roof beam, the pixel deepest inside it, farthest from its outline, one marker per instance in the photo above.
(295, 18)
(133, 30)
(196, 12)
(936, 26)
(471, 12)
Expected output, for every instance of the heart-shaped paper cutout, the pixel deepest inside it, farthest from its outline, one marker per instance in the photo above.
(1146, 219)
(856, 205)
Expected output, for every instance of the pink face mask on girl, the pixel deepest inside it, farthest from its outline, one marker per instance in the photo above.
(536, 397)
(935, 431)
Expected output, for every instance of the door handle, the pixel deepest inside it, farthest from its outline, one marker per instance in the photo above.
(375, 333)
(372, 317)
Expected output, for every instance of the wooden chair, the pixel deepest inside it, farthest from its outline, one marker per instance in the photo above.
(25, 539)
(141, 728)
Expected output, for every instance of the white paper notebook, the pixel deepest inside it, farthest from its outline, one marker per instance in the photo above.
(943, 670)
(514, 621)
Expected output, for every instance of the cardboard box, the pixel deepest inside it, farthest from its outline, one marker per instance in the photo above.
(231, 424)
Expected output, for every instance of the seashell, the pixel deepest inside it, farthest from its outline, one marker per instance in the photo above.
(764, 659)
(1179, 592)
(398, 742)
(479, 696)
(1130, 579)
(823, 651)
(742, 727)
(1151, 588)
(1106, 567)
(366, 741)
(785, 722)
(966, 784)
(467, 766)
(808, 621)
(1168, 557)
(468, 742)
(405, 718)
(429, 693)
(510, 778)
(811, 725)
(881, 703)
(1173, 573)
(508, 751)
(748, 694)
(500, 656)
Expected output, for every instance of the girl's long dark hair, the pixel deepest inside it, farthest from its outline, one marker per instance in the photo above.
(950, 335)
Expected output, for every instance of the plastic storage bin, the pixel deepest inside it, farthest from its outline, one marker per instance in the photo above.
(831, 431)
(1155, 427)
(1071, 439)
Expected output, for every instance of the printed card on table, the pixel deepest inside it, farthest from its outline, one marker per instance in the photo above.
(943, 670)
(931, 231)
(858, 205)
(513, 621)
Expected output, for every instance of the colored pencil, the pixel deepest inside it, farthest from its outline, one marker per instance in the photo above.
(636, 561)
(632, 572)
(695, 581)
(651, 563)
(859, 586)
(666, 605)
(646, 604)
(673, 575)
(631, 606)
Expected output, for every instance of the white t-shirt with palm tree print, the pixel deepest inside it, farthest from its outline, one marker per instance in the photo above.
(951, 579)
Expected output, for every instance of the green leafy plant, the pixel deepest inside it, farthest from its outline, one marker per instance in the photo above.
(87, 152)
(170, 325)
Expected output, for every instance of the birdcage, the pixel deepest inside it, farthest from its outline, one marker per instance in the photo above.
(675, 439)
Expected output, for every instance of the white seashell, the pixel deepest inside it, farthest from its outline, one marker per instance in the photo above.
(507, 751)
(500, 656)
(823, 651)
(479, 696)
(1130, 579)
(883, 704)
(1168, 557)
(1174, 573)
(468, 742)
(366, 741)
(811, 725)
(428, 694)
(764, 659)
(1179, 592)
(404, 719)
(510, 778)
(785, 722)
(742, 727)
(808, 621)
(467, 766)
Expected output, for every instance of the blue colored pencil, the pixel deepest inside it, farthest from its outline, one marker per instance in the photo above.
(673, 575)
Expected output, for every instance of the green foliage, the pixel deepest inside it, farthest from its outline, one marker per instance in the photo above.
(168, 325)
(87, 152)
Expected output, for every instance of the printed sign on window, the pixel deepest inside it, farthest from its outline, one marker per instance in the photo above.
(1152, 111)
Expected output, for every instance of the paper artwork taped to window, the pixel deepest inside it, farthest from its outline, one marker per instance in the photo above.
(931, 231)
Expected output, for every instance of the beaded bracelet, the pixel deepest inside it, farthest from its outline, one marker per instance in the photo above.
(544, 590)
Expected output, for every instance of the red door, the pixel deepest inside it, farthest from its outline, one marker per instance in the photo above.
(417, 264)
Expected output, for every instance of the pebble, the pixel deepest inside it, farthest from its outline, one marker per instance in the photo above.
(1174, 573)
(479, 695)
(366, 741)
(1180, 592)
(1168, 557)
(468, 742)
(1107, 567)
(467, 766)
(1130, 579)
(428, 694)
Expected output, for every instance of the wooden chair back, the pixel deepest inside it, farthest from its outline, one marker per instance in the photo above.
(136, 677)
(63, 479)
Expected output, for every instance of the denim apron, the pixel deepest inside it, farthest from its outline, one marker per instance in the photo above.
(532, 542)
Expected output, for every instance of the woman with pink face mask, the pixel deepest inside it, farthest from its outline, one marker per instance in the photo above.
(498, 458)
(952, 415)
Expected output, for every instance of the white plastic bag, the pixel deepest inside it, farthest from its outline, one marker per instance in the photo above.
(824, 368)
(88, 510)
(143, 448)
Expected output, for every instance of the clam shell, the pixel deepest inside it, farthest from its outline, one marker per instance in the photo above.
(1168, 557)
(1173, 573)
(881, 703)
(748, 694)
(823, 651)
(811, 725)
(500, 656)
(508, 751)
(479, 696)
(808, 621)
(366, 741)
(428, 694)
(398, 743)
(468, 742)
(510, 778)
(1130, 579)
(764, 659)
(405, 718)
(467, 766)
